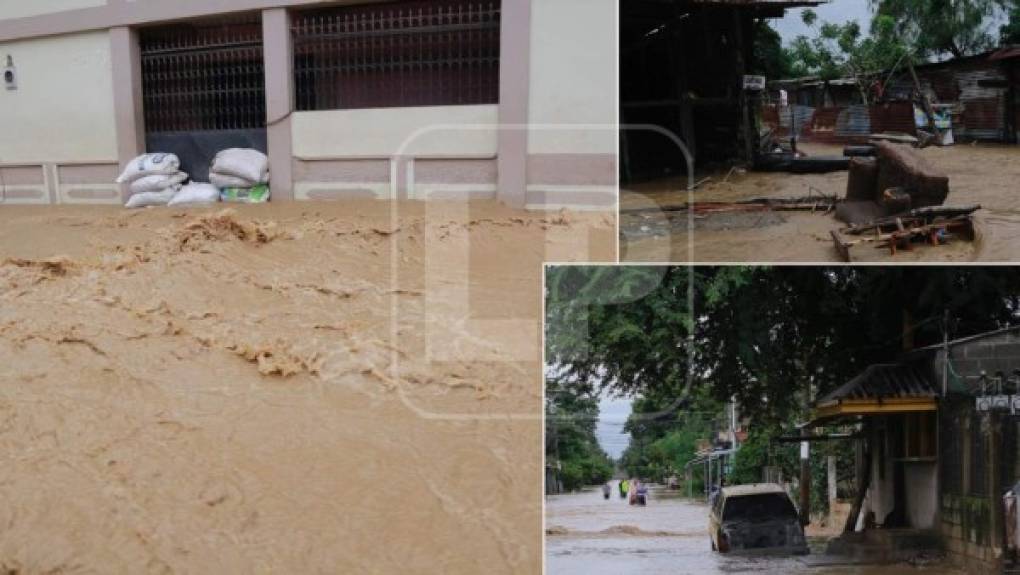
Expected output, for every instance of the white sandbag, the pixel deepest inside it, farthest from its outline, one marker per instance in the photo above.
(224, 181)
(147, 199)
(196, 193)
(249, 164)
(157, 183)
(148, 165)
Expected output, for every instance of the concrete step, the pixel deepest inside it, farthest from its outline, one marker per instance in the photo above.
(905, 539)
(885, 545)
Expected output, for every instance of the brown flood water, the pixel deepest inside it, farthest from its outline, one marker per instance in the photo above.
(983, 174)
(349, 387)
(587, 535)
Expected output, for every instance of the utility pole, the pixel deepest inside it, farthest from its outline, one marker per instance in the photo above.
(805, 455)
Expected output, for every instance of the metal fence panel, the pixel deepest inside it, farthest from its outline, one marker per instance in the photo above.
(202, 76)
(399, 54)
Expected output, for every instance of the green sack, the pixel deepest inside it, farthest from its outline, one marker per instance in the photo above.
(257, 195)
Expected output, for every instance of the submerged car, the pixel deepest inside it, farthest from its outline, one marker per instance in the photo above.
(757, 517)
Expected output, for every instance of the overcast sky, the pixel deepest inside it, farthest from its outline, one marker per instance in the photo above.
(837, 12)
(612, 415)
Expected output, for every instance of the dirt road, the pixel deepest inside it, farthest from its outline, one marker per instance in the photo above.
(346, 388)
(587, 535)
(983, 174)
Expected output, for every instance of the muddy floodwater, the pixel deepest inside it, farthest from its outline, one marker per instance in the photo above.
(586, 535)
(346, 387)
(984, 174)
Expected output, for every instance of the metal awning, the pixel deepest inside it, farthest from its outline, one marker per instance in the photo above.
(880, 390)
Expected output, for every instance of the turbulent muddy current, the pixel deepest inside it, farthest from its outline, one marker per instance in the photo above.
(587, 535)
(350, 387)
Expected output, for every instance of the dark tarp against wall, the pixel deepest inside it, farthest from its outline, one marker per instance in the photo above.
(197, 149)
(203, 87)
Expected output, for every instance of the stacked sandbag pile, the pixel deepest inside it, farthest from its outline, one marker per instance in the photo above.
(154, 179)
(242, 175)
(196, 194)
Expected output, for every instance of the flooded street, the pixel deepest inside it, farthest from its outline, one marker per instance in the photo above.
(587, 535)
(984, 174)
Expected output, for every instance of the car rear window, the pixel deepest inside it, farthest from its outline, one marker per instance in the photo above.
(760, 507)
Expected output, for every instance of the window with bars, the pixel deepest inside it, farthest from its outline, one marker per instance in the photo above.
(401, 54)
(204, 76)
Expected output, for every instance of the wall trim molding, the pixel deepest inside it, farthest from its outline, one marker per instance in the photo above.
(117, 14)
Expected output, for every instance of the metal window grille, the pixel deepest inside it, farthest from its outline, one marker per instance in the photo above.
(399, 54)
(206, 75)
(978, 456)
(1008, 452)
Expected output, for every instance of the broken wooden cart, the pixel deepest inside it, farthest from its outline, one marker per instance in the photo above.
(933, 225)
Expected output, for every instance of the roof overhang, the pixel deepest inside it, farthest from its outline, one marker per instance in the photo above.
(874, 406)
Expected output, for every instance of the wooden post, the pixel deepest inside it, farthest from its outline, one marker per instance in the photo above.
(863, 482)
(1009, 70)
(832, 481)
(805, 481)
(740, 69)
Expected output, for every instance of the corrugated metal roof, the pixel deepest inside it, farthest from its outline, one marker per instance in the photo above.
(1006, 53)
(884, 381)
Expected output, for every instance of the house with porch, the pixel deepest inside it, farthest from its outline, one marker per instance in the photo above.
(936, 449)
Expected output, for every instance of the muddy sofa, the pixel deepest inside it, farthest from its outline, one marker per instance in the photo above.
(897, 180)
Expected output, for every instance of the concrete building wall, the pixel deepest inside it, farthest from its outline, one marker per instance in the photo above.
(63, 107)
(60, 122)
(998, 352)
(573, 80)
(335, 148)
(559, 58)
(965, 529)
(444, 131)
(10, 9)
(922, 496)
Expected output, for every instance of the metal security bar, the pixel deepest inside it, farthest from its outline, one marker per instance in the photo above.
(400, 54)
(204, 76)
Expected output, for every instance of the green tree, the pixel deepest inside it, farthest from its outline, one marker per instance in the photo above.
(571, 441)
(1009, 33)
(760, 451)
(773, 338)
(937, 27)
(770, 59)
(665, 437)
(841, 50)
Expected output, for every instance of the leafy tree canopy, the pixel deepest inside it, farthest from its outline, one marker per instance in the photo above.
(773, 338)
(571, 419)
(842, 50)
(1009, 33)
(937, 27)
